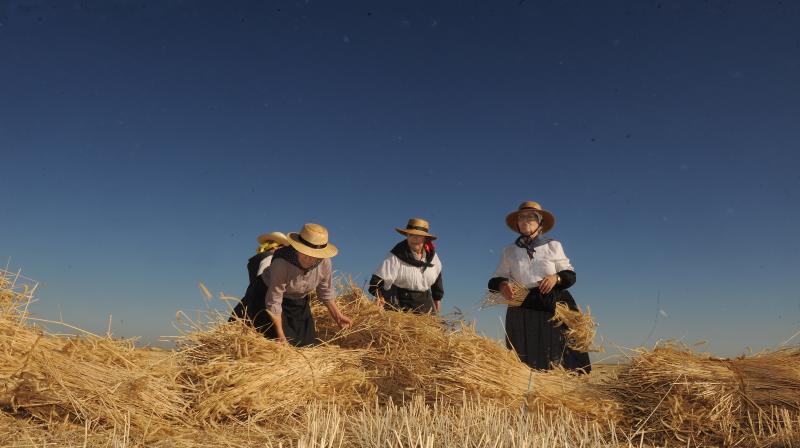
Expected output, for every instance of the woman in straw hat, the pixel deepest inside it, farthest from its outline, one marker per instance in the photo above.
(299, 269)
(540, 264)
(268, 243)
(410, 278)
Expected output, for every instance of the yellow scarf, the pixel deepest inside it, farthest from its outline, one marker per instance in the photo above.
(269, 245)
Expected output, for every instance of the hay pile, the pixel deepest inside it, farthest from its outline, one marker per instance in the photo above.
(673, 393)
(90, 380)
(232, 373)
(414, 355)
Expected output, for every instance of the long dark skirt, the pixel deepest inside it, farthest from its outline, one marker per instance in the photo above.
(539, 342)
(298, 322)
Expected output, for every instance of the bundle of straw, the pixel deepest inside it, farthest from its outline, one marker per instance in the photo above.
(16, 293)
(579, 327)
(402, 345)
(233, 373)
(519, 292)
(413, 354)
(672, 392)
(91, 380)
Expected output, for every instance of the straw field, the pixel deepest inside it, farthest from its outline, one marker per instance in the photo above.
(392, 380)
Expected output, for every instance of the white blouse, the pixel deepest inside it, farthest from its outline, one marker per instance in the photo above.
(548, 259)
(264, 264)
(394, 271)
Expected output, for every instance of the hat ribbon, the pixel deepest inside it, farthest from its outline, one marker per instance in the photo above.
(307, 243)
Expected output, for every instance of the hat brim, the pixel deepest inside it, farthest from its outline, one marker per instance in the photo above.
(407, 232)
(273, 236)
(548, 220)
(329, 251)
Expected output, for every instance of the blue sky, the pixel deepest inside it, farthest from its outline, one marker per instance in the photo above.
(144, 145)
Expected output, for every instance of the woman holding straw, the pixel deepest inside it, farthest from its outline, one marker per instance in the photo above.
(296, 271)
(538, 266)
(268, 243)
(410, 278)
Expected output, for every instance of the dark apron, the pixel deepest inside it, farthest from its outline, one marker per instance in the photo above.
(298, 323)
(420, 302)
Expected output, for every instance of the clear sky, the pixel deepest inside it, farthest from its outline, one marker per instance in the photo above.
(145, 144)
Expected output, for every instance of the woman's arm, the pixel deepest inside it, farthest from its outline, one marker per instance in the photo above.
(375, 285)
(278, 324)
(499, 280)
(565, 274)
(383, 278)
(387, 271)
(327, 294)
(276, 279)
(437, 289)
(341, 320)
(567, 278)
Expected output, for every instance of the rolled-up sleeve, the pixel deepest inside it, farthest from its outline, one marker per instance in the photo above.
(276, 279)
(325, 289)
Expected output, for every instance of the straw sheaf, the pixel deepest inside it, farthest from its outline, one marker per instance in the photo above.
(518, 294)
(86, 382)
(235, 374)
(419, 355)
(579, 327)
(672, 392)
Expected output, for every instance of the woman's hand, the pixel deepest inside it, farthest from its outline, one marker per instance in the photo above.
(547, 283)
(277, 322)
(343, 321)
(506, 290)
(437, 306)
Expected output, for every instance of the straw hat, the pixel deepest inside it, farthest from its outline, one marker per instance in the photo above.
(278, 237)
(548, 220)
(312, 240)
(416, 226)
